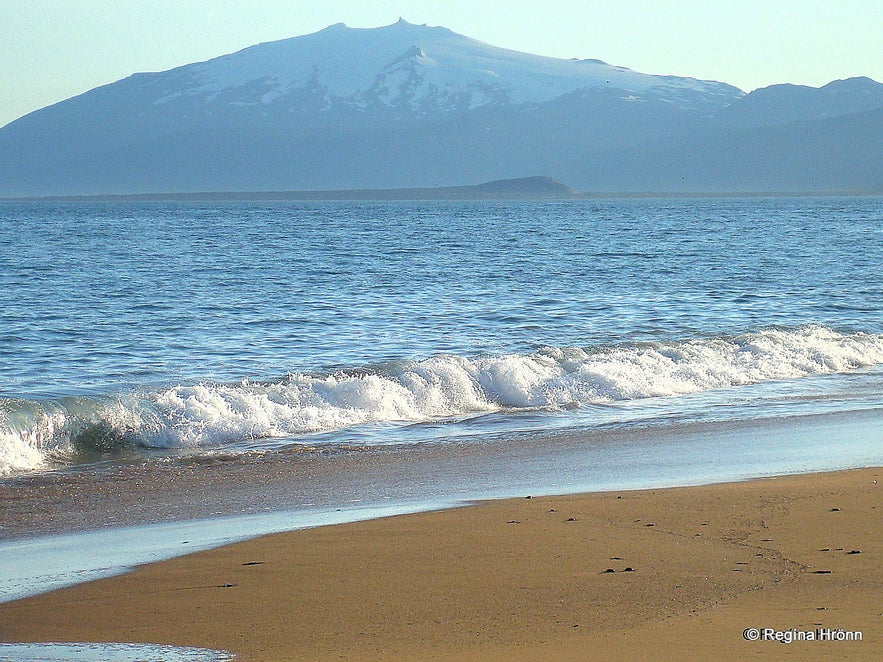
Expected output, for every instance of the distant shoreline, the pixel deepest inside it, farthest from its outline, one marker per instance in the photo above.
(524, 188)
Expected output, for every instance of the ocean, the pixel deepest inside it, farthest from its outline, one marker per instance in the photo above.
(171, 361)
(168, 329)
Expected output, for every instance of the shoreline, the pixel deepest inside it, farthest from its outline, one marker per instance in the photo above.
(520, 578)
(65, 528)
(299, 478)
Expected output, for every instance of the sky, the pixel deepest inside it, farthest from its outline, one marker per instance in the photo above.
(51, 50)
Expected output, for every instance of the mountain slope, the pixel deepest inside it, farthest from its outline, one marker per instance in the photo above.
(781, 104)
(401, 66)
(409, 106)
(843, 153)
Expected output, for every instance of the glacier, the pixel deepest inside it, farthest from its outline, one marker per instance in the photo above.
(406, 64)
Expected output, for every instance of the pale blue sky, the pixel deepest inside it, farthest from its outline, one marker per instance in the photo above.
(53, 49)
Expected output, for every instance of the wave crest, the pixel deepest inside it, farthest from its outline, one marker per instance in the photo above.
(438, 387)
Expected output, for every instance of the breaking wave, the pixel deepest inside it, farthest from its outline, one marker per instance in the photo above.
(33, 432)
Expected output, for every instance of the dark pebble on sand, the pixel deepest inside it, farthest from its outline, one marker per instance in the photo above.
(609, 570)
(854, 551)
(629, 569)
(822, 572)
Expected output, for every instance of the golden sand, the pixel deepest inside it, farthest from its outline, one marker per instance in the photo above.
(657, 574)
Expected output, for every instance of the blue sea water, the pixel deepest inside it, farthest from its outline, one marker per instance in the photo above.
(168, 328)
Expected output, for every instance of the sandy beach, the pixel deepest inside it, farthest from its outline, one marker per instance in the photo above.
(656, 574)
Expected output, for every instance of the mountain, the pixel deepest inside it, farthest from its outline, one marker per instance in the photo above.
(782, 104)
(408, 106)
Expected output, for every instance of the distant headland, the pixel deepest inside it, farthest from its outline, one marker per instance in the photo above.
(521, 188)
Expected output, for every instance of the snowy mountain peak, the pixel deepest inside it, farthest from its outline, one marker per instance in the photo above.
(414, 106)
(405, 106)
(411, 66)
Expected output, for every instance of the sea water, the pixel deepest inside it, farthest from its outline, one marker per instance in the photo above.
(174, 376)
(172, 329)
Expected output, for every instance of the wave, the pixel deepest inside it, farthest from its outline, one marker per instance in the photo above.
(207, 415)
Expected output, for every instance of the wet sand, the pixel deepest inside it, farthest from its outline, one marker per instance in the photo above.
(664, 574)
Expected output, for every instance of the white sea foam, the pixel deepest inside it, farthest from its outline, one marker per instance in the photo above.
(94, 652)
(19, 451)
(438, 387)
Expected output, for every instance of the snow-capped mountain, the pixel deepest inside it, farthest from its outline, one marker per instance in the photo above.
(415, 106)
(410, 66)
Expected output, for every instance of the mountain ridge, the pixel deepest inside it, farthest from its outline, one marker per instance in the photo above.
(407, 106)
(354, 64)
